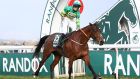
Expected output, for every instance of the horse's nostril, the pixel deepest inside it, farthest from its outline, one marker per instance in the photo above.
(101, 42)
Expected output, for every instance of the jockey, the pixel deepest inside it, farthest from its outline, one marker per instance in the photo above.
(71, 17)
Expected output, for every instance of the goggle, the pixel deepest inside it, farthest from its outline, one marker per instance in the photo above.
(76, 5)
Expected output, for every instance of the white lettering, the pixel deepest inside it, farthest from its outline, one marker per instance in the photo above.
(107, 63)
(120, 65)
(43, 67)
(5, 69)
(12, 65)
(27, 64)
(34, 64)
(19, 64)
(22, 65)
(130, 62)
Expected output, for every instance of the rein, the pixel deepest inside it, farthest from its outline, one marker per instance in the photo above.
(83, 33)
(78, 42)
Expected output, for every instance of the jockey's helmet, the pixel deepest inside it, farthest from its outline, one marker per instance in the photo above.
(77, 3)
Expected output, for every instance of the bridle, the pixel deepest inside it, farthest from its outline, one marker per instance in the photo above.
(83, 33)
(78, 42)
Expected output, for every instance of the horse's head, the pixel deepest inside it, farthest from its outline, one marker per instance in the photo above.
(130, 12)
(96, 34)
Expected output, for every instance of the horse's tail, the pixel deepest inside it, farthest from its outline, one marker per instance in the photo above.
(39, 45)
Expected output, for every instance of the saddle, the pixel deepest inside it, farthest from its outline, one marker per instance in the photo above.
(60, 39)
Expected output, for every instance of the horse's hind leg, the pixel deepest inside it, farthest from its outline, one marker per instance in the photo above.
(46, 55)
(70, 67)
(87, 61)
(54, 63)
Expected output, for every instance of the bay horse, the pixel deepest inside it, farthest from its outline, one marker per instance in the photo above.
(75, 47)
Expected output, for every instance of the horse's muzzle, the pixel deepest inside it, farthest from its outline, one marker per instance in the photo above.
(101, 42)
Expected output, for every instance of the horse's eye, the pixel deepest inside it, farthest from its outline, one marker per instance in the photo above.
(94, 30)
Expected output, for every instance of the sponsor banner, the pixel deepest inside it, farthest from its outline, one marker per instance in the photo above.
(48, 16)
(120, 24)
(56, 22)
(104, 62)
(22, 64)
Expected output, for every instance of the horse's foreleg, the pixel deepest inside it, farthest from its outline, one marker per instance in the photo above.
(45, 57)
(87, 62)
(70, 68)
(54, 63)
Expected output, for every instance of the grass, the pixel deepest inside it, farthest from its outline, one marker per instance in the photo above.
(81, 77)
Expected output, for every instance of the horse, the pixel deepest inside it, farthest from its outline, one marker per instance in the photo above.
(75, 47)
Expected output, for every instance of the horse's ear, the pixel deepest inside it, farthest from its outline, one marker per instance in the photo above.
(95, 24)
(90, 24)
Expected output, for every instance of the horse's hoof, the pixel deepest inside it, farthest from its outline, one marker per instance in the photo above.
(95, 78)
(98, 77)
(34, 75)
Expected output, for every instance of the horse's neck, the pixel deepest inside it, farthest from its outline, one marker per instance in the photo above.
(84, 38)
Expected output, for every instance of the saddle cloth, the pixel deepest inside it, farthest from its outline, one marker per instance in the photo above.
(59, 39)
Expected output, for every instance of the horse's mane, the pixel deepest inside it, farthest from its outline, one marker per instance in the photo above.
(90, 26)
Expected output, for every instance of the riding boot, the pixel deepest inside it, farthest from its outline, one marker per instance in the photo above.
(62, 40)
(59, 44)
